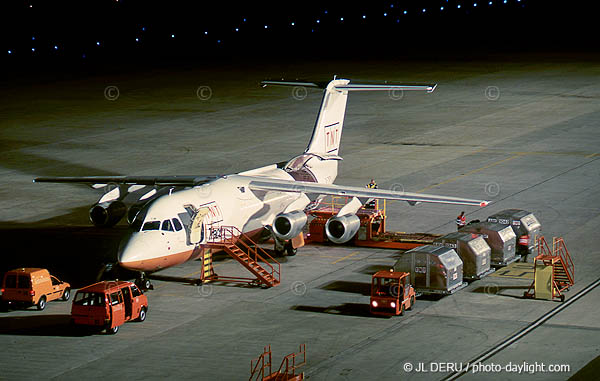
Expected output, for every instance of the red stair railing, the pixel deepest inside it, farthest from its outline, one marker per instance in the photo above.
(231, 235)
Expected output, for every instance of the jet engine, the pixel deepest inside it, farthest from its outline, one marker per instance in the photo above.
(107, 214)
(288, 225)
(341, 229)
(134, 210)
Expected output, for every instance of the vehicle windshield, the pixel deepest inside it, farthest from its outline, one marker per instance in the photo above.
(385, 287)
(89, 299)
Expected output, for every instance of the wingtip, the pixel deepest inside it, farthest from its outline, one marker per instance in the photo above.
(484, 203)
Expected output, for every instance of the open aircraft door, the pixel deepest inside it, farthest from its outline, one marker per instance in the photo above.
(197, 230)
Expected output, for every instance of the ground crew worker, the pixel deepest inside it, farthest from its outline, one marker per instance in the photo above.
(372, 185)
(461, 220)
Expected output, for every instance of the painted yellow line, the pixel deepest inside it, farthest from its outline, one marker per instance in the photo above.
(346, 257)
(592, 155)
(472, 172)
(197, 272)
(194, 273)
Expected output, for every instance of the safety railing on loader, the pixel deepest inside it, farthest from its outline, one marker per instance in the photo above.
(290, 362)
(260, 364)
(337, 202)
(560, 249)
(560, 276)
(261, 367)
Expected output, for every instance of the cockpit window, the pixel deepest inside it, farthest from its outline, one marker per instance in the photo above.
(151, 225)
(177, 224)
(166, 226)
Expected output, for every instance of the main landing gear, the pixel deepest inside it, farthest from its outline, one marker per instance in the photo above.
(282, 248)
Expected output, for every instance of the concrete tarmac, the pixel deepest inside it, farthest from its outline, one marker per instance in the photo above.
(521, 132)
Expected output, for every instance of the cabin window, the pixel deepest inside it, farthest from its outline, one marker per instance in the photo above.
(151, 225)
(115, 298)
(177, 224)
(166, 226)
(89, 299)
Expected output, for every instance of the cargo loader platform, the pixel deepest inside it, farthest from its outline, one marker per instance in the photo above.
(372, 231)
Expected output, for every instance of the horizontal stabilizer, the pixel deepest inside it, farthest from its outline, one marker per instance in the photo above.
(359, 87)
(294, 83)
(355, 86)
(138, 180)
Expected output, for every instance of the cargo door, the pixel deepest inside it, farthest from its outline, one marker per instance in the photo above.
(421, 269)
(127, 302)
(437, 276)
(197, 232)
(533, 228)
(24, 287)
(136, 300)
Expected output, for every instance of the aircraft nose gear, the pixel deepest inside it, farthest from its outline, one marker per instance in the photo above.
(143, 282)
(107, 271)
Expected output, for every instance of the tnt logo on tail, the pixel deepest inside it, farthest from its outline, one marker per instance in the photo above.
(333, 134)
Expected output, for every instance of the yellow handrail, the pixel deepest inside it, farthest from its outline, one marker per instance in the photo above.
(335, 203)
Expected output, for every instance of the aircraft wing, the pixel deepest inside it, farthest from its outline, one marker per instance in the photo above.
(267, 184)
(133, 180)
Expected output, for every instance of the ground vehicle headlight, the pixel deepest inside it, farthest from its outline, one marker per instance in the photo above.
(374, 303)
(393, 304)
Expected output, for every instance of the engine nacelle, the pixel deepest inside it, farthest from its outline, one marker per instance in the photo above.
(133, 212)
(107, 213)
(289, 225)
(342, 229)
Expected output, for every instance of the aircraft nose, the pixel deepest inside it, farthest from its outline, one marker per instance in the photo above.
(133, 251)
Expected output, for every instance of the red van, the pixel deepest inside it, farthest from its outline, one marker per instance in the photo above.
(108, 305)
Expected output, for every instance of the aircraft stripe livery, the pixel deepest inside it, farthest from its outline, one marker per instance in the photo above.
(173, 216)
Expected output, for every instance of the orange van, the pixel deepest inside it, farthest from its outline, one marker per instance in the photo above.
(108, 305)
(33, 287)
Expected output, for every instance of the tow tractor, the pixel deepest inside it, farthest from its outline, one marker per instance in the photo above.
(391, 293)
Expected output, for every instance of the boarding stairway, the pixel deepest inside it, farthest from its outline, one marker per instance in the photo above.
(241, 248)
(562, 273)
(260, 368)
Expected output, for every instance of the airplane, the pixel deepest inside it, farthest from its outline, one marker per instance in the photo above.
(173, 217)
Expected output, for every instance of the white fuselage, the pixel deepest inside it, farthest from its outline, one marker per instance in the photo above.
(227, 201)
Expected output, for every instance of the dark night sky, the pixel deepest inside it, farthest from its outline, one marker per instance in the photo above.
(70, 32)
